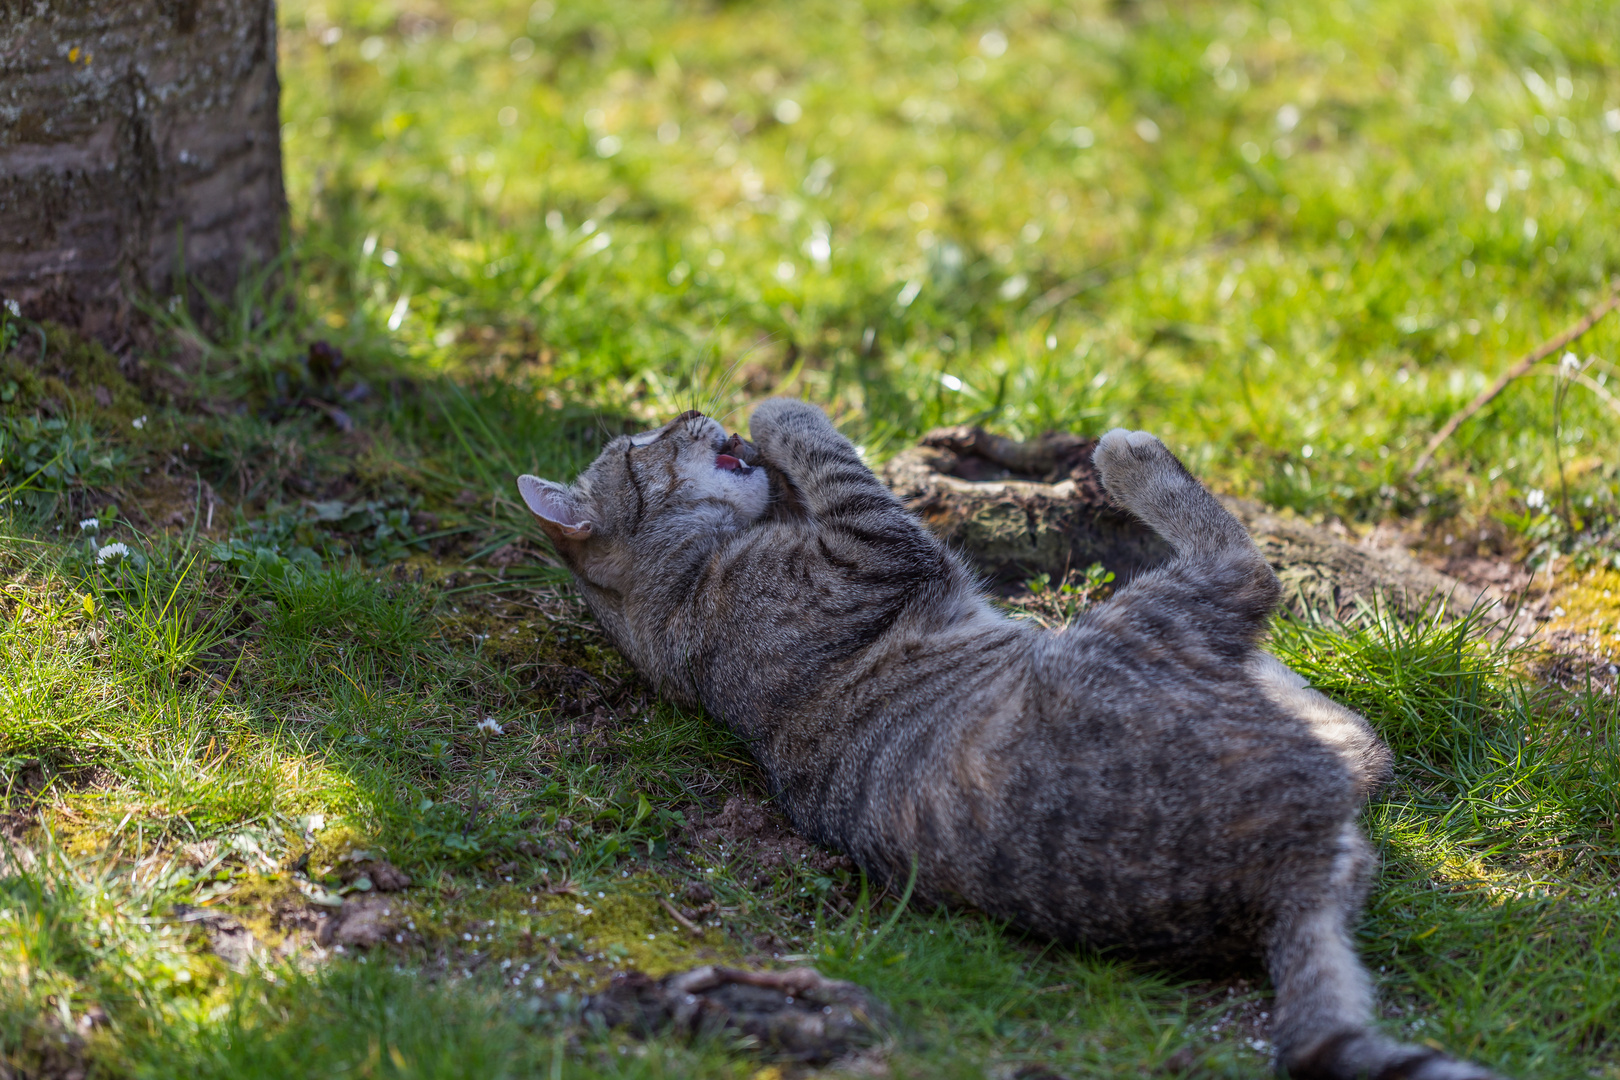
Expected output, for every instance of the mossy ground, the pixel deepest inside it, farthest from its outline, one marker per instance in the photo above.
(1290, 240)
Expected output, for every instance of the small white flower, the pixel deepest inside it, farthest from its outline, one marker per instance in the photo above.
(112, 551)
(89, 525)
(15, 308)
(139, 422)
(488, 726)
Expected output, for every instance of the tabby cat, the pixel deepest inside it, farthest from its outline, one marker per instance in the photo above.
(1146, 779)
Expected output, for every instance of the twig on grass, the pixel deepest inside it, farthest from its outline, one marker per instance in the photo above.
(693, 928)
(1539, 353)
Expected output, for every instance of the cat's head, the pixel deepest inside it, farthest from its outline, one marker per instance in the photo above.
(645, 489)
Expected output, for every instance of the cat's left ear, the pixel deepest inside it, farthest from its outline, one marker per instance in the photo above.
(556, 508)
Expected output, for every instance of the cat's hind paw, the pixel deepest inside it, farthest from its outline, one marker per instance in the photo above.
(1133, 464)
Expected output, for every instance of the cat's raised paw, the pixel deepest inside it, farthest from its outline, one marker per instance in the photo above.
(1128, 460)
(1140, 442)
(776, 416)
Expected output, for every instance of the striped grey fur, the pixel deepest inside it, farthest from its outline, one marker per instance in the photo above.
(1146, 779)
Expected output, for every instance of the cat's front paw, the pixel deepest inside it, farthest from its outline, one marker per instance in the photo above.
(775, 417)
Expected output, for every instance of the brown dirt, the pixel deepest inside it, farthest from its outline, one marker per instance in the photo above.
(227, 939)
(364, 922)
(383, 875)
(754, 833)
(299, 922)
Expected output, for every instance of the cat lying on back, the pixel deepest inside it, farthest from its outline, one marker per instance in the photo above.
(1146, 778)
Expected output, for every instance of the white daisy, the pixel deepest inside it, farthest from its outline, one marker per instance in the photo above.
(112, 551)
(488, 726)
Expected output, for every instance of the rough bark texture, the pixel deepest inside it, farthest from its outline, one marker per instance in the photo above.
(1020, 509)
(135, 137)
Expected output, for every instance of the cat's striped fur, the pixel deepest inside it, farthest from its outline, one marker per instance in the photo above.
(1146, 779)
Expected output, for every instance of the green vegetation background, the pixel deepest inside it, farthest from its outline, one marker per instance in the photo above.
(1291, 239)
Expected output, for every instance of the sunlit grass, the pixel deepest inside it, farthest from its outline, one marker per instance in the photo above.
(1290, 240)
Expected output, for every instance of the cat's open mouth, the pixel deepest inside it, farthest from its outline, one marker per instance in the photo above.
(735, 455)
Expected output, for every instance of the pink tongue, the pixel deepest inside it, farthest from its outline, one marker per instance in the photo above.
(727, 462)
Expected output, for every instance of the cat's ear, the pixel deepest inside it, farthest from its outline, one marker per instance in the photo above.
(556, 508)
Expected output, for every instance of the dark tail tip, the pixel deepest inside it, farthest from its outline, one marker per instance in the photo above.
(1365, 1055)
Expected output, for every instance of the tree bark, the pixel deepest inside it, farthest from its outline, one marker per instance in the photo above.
(137, 139)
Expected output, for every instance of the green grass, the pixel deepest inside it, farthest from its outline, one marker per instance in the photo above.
(1350, 217)
(1291, 241)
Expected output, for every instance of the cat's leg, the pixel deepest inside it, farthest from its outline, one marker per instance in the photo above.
(1144, 477)
(826, 475)
(1322, 1016)
(1217, 565)
(1347, 732)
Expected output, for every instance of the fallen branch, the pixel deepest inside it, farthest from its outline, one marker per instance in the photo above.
(1539, 353)
(693, 928)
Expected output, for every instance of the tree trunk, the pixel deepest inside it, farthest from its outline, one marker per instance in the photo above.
(138, 138)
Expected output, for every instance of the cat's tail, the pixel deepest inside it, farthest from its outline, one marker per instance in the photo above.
(1216, 566)
(1322, 1016)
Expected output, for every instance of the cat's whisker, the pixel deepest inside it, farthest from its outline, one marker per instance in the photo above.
(601, 424)
(710, 339)
(730, 373)
(726, 377)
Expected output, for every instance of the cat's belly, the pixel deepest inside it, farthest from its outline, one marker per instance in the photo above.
(1147, 826)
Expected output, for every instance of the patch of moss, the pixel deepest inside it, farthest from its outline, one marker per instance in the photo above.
(572, 939)
(1588, 607)
(522, 633)
(77, 376)
(81, 842)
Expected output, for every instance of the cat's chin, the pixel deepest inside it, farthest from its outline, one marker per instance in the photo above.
(727, 477)
(751, 492)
